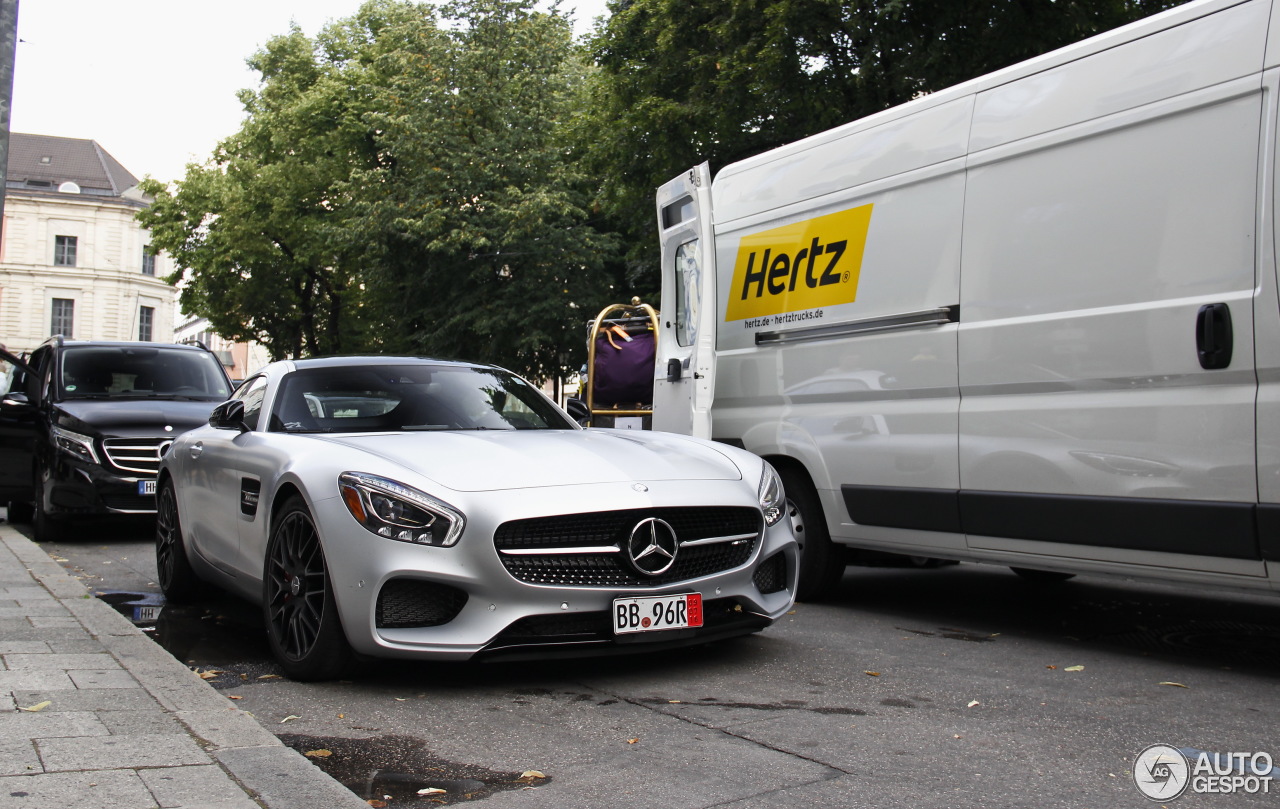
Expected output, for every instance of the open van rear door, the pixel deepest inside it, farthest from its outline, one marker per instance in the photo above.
(685, 367)
(17, 431)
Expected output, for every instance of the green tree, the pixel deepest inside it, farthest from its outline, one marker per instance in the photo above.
(401, 184)
(680, 83)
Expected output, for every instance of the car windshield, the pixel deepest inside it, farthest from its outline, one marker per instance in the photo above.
(134, 372)
(395, 398)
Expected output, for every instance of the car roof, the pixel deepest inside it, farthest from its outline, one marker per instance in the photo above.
(126, 344)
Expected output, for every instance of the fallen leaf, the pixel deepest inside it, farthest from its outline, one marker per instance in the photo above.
(1074, 668)
(269, 677)
(377, 804)
(210, 674)
(972, 703)
(1177, 685)
(872, 673)
(529, 775)
(632, 741)
(322, 753)
(289, 718)
(956, 736)
(401, 699)
(432, 791)
(673, 702)
(233, 696)
(342, 716)
(1051, 667)
(39, 706)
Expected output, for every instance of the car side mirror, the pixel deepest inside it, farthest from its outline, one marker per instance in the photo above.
(229, 416)
(15, 399)
(578, 411)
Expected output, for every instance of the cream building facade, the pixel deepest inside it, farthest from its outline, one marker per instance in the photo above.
(73, 260)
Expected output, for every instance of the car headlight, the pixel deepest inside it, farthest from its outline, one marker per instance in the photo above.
(75, 445)
(773, 499)
(396, 511)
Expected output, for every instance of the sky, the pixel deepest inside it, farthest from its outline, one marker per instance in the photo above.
(154, 82)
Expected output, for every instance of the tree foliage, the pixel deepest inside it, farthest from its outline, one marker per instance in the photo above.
(400, 184)
(680, 82)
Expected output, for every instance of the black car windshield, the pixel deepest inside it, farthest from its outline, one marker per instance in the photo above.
(395, 398)
(136, 372)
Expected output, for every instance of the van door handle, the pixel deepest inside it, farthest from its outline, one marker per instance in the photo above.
(1213, 336)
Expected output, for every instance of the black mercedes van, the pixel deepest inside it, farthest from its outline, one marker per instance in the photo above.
(83, 425)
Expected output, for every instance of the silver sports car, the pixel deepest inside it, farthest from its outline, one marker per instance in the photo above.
(402, 507)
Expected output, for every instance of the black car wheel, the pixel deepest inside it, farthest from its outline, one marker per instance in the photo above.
(20, 511)
(822, 563)
(301, 615)
(178, 581)
(45, 526)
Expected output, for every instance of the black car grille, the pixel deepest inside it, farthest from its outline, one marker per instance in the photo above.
(597, 626)
(139, 457)
(589, 550)
(771, 575)
(411, 603)
(130, 502)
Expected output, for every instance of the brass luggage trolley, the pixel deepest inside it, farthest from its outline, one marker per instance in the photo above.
(621, 350)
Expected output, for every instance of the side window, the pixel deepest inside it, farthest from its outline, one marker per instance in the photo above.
(688, 286)
(37, 385)
(251, 393)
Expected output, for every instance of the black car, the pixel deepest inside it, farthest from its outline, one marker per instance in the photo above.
(83, 425)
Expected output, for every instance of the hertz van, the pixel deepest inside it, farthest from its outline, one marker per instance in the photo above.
(1031, 320)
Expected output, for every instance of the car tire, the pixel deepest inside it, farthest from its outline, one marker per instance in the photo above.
(301, 614)
(20, 511)
(45, 526)
(822, 563)
(177, 579)
(1042, 576)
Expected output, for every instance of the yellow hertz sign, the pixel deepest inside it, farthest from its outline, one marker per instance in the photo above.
(807, 265)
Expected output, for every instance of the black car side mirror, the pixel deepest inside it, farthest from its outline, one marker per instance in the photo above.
(15, 399)
(578, 411)
(229, 416)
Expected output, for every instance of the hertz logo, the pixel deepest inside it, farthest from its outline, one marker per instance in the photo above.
(807, 265)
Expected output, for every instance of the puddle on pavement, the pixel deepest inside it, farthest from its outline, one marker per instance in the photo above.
(399, 770)
(223, 633)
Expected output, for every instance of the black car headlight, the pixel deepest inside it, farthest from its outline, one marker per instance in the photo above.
(773, 500)
(396, 511)
(76, 445)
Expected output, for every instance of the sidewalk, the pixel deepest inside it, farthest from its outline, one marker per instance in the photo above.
(123, 724)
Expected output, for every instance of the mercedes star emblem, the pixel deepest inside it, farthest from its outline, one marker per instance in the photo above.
(652, 546)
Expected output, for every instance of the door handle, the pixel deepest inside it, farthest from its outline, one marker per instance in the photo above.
(196, 449)
(674, 369)
(1214, 340)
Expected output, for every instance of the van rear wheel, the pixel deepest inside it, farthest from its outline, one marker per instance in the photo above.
(821, 562)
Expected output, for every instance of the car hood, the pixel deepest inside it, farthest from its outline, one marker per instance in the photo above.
(488, 461)
(133, 417)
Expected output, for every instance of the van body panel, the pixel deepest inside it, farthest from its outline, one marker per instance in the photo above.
(1058, 345)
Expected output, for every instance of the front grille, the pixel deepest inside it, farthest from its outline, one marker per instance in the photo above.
(584, 627)
(130, 502)
(411, 603)
(602, 536)
(771, 575)
(138, 456)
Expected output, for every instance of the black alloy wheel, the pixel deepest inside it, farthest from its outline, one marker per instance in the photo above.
(178, 581)
(822, 562)
(301, 614)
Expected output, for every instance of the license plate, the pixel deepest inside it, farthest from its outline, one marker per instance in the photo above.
(146, 615)
(656, 613)
(146, 487)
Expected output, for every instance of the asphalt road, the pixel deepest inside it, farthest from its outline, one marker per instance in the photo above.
(963, 686)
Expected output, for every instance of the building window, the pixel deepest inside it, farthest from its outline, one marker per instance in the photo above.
(146, 315)
(63, 316)
(64, 251)
(148, 261)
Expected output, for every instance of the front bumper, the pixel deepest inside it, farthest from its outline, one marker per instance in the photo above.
(482, 610)
(77, 488)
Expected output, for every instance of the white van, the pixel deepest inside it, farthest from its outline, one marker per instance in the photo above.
(1030, 320)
